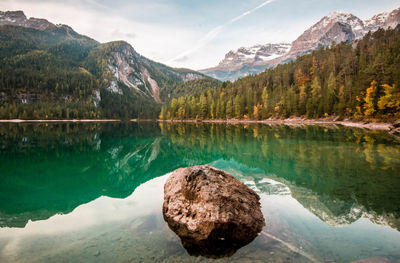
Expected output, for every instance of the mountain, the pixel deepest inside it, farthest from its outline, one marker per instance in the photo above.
(383, 20)
(121, 65)
(355, 80)
(336, 27)
(18, 18)
(51, 71)
(245, 61)
(333, 209)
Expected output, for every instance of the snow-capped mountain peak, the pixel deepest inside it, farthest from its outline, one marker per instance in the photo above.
(383, 20)
(344, 18)
(340, 16)
(379, 18)
(341, 26)
(253, 59)
(254, 54)
(337, 26)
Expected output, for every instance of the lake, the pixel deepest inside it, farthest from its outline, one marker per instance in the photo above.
(93, 192)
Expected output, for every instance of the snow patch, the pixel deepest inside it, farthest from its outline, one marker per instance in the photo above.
(249, 55)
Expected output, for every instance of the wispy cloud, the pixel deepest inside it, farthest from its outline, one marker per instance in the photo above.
(215, 32)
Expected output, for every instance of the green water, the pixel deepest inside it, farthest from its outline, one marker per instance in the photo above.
(93, 192)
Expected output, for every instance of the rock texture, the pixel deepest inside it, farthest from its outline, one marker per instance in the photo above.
(336, 27)
(246, 60)
(212, 212)
(125, 71)
(18, 18)
(138, 73)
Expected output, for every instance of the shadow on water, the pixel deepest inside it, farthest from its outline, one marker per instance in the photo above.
(336, 173)
(212, 248)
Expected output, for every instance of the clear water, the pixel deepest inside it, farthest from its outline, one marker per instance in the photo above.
(93, 192)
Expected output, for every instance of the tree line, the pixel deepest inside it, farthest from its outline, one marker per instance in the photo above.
(349, 80)
(54, 74)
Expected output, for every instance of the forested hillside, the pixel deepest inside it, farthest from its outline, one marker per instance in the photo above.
(41, 74)
(56, 73)
(358, 80)
(52, 72)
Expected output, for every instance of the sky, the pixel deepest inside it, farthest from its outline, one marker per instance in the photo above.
(192, 34)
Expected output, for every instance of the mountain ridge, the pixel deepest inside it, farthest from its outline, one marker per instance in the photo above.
(18, 18)
(251, 57)
(107, 79)
(337, 26)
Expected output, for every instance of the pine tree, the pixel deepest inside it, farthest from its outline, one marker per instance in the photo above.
(212, 110)
(229, 109)
(203, 107)
(330, 94)
(237, 104)
(264, 101)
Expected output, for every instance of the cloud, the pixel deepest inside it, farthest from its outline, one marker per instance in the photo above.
(154, 39)
(186, 31)
(122, 35)
(182, 59)
(215, 32)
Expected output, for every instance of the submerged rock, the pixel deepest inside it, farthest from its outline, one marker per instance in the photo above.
(212, 212)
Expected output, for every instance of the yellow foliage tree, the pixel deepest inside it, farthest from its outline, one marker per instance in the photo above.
(301, 78)
(370, 98)
(256, 111)
(391, 100)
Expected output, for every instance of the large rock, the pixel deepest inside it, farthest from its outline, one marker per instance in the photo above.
(212, 212)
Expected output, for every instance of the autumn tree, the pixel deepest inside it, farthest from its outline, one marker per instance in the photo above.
(371, 99)
(390, 102)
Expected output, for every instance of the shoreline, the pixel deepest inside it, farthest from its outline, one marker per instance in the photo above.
(385, 126)
(74, 120)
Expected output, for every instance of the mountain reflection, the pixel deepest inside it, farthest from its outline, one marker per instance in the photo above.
(49, 169)
(339, 174)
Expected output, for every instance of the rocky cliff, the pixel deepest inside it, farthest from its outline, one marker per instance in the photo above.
(336, 27)
(78, 69)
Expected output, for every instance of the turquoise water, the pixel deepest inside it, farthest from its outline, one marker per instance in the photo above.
(92, 192)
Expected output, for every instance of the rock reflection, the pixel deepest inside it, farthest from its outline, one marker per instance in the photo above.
(341, 165)
(212, 247)
(212, 212)
(332, 171)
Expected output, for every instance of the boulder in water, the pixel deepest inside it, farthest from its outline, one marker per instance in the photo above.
(212, 212)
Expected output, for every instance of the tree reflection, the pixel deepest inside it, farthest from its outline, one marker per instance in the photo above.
(358, 167)
(53, 169)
